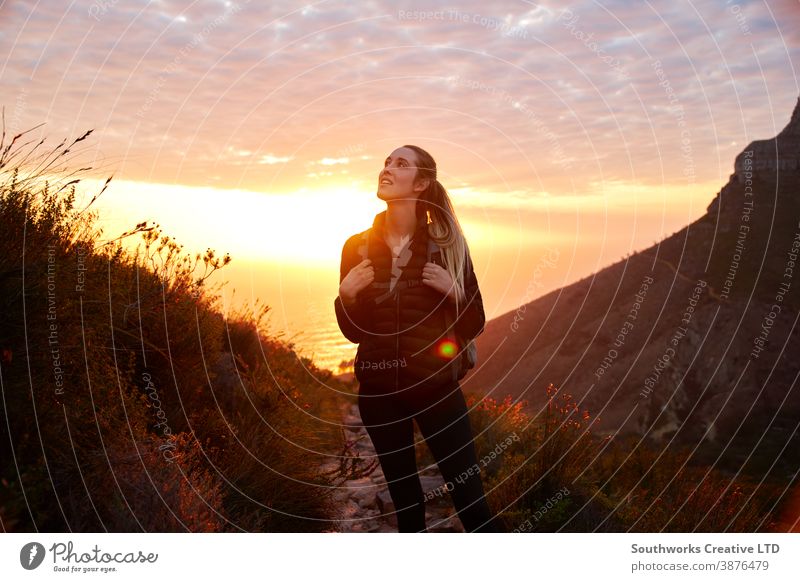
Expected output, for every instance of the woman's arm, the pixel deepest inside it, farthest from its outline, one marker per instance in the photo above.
(471, 317)
(350, 317)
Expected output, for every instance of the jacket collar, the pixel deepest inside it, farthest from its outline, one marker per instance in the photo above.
(379, 223)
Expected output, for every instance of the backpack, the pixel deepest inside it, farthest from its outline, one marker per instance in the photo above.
(468, 357)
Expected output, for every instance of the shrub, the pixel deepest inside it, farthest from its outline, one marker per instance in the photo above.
(133, 404)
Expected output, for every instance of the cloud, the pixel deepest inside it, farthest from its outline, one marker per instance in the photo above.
(270, 159)
(263, 91)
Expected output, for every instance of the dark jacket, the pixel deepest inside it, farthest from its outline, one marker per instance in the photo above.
(399, 337)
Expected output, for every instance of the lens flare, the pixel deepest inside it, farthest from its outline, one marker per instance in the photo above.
(447, 349)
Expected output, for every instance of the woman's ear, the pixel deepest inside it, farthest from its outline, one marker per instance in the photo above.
(422, 185)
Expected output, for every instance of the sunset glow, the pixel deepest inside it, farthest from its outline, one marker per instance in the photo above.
(259, 129)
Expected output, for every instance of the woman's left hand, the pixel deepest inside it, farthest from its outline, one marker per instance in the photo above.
(437, 277)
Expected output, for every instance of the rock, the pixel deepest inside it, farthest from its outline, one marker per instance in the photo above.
(358, 483)
(385, 503)
(431, 483)
(353, 423)
(364, 448)
(363, 491)
(351, 510)
(368, 500)
(330, 465)
(430, 470)
(444, 521)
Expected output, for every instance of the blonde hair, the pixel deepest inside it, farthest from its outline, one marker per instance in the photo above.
(443, 228)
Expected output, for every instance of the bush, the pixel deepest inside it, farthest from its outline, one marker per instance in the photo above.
(561, 477)
(133, 404)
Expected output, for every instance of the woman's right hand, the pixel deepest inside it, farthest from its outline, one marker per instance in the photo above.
(357, 279)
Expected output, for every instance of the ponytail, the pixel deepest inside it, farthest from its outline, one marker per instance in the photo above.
(445, 230)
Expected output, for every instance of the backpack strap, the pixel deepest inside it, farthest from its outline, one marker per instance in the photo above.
(433, 248)
(363, 247)
(363, 252)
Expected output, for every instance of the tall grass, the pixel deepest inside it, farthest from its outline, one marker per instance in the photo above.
(129, 401)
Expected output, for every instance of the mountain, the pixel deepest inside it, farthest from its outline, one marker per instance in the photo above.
(693, 341)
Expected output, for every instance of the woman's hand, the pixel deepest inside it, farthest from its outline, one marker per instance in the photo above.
(437, 277)
(359, 277)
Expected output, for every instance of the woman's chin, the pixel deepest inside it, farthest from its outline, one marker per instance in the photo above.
(389, 196)
(384, 194)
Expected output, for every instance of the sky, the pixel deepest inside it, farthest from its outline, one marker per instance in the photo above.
(567, 134)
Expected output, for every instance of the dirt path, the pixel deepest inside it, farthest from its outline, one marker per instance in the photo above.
(365, 504)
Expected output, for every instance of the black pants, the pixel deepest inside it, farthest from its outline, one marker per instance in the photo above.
(441, 414)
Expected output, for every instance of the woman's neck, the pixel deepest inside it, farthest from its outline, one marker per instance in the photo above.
(401, 218)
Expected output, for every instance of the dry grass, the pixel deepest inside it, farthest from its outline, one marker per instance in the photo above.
(167, 415)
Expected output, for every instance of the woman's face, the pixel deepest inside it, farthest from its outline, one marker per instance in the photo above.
(396, 179)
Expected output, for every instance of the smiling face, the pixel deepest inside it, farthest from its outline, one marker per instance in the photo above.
(396, 179)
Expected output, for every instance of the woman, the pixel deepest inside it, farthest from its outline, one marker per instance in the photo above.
(397, 305)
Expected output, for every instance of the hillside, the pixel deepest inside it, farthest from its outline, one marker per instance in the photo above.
(690, 341)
